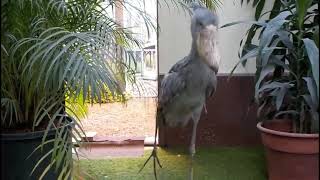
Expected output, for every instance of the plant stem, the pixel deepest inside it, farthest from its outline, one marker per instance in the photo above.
(299, 55)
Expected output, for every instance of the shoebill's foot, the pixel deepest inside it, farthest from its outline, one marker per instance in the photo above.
(155, 157)
(192, 150)
(192, 153)
(191, 171)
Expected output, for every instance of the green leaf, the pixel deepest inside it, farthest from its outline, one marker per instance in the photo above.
(46, 170)
(247, 48)
(271, 28)
(279, 20)
(315, 122)
(267, 52)
(280, 96)
(308, 100)
(275, 9)
(39, 147)
(63, 171)
(312, 90)
(264, 72)
(260, 108)
(4, 50)
(302, 7)
(41, 160)
(250, 34)
(276, 59)
(314, 113)
(313, 54)
(264, 42)
(252, 31)
(243, 22)
(250, 54)
(284, 36)
(255, 2)
(286, 112)
(316, 35)
(62, 150)
(274, 85)
(259, 9)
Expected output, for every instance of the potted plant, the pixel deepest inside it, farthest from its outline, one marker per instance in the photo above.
(287, 87)
(55, 55)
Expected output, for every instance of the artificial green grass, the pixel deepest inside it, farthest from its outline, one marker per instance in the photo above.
(210, 164)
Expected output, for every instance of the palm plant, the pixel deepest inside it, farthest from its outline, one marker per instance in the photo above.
(52, 53)
(287, 65)
(55, 55)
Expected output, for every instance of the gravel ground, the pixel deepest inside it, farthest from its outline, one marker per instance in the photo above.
(135, 118)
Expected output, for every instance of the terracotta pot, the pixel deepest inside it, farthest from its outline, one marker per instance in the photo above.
(290, 156)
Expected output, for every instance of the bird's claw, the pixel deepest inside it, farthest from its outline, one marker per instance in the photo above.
(155, 156)
(155, 159)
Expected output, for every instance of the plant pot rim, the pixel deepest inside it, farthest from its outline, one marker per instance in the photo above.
(33, 135)
(286, 134)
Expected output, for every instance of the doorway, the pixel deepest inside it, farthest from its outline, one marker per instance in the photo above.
(136, 117)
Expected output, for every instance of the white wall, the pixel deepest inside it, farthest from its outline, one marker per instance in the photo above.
(175, 37)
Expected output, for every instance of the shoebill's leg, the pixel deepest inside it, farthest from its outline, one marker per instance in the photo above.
(165, 128)
(205, 109)
(191, 171)
(195, 117)
(154, 154)
(193, 138)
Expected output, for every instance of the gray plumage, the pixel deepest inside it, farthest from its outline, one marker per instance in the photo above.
(184, 90)
(189, 82)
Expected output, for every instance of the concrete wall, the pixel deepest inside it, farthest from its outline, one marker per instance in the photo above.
(175, 37)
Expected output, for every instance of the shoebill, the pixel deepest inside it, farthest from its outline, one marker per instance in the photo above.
(193, 79)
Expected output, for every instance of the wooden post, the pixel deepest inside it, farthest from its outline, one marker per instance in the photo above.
(119, 19)
(119, 12)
